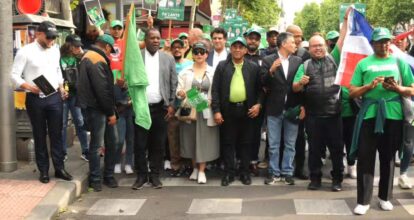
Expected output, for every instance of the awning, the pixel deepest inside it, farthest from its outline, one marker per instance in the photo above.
(30, 19)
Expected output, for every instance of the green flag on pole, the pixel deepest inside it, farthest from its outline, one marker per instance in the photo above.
(134, 72)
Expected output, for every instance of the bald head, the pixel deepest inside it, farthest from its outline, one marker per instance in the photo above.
(194, 35)
(297, 33)
(317, 48)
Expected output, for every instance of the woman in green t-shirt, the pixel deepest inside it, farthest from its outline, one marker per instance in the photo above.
(380, 120)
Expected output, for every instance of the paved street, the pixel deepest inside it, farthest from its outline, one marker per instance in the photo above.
(184, 199)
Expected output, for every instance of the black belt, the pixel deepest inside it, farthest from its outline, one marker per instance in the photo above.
(237, 104)
(154, 105)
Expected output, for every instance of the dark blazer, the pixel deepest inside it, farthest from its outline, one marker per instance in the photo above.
(223, 75)
(168, 77)
(211, 56)
(277, 86)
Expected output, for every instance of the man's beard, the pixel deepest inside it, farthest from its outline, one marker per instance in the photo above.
(177, 58)
(252, 48)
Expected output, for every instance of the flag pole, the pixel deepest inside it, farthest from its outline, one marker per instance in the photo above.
(169, 29)
(125, 37)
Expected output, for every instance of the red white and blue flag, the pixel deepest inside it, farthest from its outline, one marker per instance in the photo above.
(357, 46)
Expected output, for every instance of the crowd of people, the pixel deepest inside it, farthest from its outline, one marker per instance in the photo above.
(286, 91)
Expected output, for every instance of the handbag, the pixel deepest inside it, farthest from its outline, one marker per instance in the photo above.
(406, 102)
(186, 114)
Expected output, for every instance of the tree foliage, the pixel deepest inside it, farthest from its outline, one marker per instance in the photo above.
(264, 13)
(309, 19)
(385, 13)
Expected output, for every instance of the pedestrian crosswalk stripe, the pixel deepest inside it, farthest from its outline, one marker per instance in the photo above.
(215, 206)
(321, 207)
(408, 205)
(116, 207)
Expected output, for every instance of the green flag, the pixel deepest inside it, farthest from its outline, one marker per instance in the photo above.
(134, 71)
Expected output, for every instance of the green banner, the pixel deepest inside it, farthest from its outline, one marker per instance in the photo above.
(196, 100)
(171, 10)
(358, 6)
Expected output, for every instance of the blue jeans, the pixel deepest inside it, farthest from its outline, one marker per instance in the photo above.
(102, 134)
(69, 105)
(290, 132)
(125, 127)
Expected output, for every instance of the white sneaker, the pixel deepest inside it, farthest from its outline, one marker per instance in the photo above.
(117, 168)
(404, 182)
(194, 174)
(385, 205)
(128, 169)
(202, 179)
(167, 165)
(361, 209)
(352, 171)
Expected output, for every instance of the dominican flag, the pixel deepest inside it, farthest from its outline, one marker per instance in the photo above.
(356, 47)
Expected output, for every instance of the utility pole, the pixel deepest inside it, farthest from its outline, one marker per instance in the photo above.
(8, 161)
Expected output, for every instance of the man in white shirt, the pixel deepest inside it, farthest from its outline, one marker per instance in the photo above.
(283, 108)
(219, 39)
(162, 79)
(45, 112)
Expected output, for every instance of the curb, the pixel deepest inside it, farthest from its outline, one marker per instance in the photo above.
(62, 194)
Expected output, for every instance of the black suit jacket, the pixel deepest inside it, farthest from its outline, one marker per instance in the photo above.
(278, 86)
(223, 75)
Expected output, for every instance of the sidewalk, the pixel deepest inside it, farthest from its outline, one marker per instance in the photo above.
(22, 196)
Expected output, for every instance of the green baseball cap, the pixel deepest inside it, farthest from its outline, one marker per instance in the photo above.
(115, 23)
(239, 40)
(177, 40)
(107, 39)
(253, 30)
(207, 36)
(332, 35)
(183, 34)
(381, 33)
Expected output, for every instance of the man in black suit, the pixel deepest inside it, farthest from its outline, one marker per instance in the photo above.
(236, 101)
(283, 108)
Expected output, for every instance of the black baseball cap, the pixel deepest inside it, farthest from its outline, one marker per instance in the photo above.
(48, 28)
(74, 39)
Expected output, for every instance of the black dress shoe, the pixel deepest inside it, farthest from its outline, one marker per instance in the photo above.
(226, 180)
(301, 176)
(245, 179)
(62, 174)
(110, 182)
(254, 170)
(44, 177)
(314, 185)
(139, 183)
(156, 183)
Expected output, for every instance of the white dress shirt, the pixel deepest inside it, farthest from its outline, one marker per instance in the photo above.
(32, 61)
(152, 67)
(217, 57)
(285, 64)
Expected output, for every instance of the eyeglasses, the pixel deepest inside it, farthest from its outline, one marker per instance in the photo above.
(197, 52)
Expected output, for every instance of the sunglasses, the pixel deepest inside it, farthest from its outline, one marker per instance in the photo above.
(51, 37)
(197, 52)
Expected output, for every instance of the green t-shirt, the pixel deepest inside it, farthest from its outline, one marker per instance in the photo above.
(371, 67)
(301, 70)
(346, 103)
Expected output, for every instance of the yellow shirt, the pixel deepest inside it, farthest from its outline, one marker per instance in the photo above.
(237, 87)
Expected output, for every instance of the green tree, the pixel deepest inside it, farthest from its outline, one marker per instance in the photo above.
(264, 13)
(389, 13)
(309, 19)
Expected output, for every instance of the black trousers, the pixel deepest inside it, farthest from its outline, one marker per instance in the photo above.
(236, 135)
(325, 131)
(151, 141)
(46, 117)
(347, 130)
(387, 145)
(300, 149)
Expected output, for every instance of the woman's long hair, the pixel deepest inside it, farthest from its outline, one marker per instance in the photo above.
(65, 50)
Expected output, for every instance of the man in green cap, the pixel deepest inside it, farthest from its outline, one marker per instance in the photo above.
(96, 99)
(331, 39)
(381, 80)
(236, 102)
